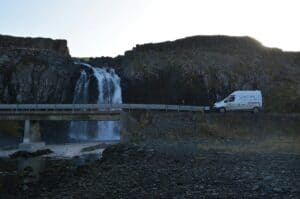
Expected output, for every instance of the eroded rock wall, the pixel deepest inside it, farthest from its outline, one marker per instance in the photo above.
(36, 71)
(202, 69)
(59, 46)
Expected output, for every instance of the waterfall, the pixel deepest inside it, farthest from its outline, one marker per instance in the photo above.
(108, 92)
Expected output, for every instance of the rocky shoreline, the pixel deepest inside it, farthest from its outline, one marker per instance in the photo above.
(153, 171)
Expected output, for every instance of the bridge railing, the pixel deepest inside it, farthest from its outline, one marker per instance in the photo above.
(99, 107)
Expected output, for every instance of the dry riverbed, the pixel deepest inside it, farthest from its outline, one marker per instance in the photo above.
(165, 171)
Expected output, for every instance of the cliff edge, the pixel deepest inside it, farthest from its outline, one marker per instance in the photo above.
(59, 46)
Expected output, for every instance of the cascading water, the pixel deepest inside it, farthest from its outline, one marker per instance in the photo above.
(108, 92)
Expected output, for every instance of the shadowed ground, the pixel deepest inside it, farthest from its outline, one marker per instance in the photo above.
(184, 155)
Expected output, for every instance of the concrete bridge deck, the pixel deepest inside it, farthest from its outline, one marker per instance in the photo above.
(82, 112)
(97, 107)
(32, 113)
(104, 112)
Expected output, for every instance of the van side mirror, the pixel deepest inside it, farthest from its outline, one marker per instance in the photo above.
(225, 101)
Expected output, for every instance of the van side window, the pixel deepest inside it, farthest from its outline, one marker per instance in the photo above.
(231, 98)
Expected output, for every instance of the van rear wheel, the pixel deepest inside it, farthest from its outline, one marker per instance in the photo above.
(255, 110)
(222, 110)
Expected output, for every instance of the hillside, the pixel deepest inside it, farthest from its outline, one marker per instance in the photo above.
(202, 69)
(196, 70)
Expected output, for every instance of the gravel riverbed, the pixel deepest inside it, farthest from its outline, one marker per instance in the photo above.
(133, 171)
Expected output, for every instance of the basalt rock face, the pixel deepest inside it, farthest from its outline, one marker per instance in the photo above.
(59, 46)
(196, 70)
(202, 69)
(36, 71)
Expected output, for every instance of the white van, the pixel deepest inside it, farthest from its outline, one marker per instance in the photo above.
(241, 100)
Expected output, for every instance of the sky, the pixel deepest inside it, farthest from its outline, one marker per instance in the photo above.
(97, 28)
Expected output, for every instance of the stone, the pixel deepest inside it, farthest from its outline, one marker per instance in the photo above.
(3, 59)
(268, 178)
(277, 189)
(255, 187)
(28, 154)
(59, 46)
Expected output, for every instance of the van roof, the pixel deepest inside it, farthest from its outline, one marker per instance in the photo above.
(241, 92)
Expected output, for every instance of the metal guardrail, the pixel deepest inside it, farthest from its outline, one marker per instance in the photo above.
(99, 107)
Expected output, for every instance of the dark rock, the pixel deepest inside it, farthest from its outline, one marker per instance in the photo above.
(256, 187)
(58, 46)
(25, 187)
(195, 70)
(28, 169)
(26, 154)
(278, 189)
(36, 76)
(202, 69)
(268, 178)
(123, 150)
(160, 177)
(82, 169)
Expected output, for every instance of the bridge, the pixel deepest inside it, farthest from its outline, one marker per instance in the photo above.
(33, 113)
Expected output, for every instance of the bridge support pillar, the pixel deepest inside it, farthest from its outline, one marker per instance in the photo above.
(32, 137)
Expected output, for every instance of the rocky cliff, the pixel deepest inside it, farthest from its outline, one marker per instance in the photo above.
(59, 46)
(36, 71)
(202, 69)
(196, 70)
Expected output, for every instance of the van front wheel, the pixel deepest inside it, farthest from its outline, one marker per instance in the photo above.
(222, 110)
(255, 110)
